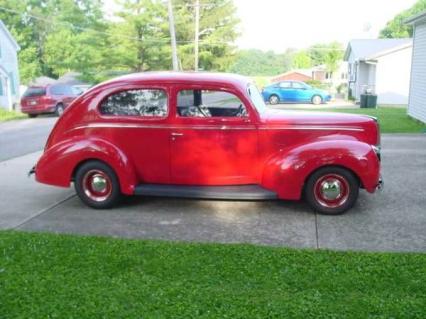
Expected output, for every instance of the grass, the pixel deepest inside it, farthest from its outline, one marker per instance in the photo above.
(59, 276)
(392, 119)
(10, 115)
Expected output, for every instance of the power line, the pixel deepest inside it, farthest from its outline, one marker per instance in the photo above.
(76, 27)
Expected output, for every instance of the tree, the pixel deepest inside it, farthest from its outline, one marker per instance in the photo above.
(329, 54)
(301, 60)
(218, 22)
(255, 62)
(397, 28)
(140, 39)
(47, 31)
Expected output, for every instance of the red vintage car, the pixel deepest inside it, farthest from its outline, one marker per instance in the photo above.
(205, 135)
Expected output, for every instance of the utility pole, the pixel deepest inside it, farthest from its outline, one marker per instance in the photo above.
(197, 30)
(173, 36)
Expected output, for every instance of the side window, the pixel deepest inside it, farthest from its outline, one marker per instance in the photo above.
(297, 85)
(143, 102)
(285, 85)
(209, 103)
(56, 90)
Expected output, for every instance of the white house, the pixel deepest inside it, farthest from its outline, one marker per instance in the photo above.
(417, 100)
(380, 66)
(9, 76)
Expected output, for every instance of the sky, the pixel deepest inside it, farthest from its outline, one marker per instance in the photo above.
(280, 24)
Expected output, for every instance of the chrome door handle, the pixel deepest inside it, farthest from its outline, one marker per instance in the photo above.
(177, 134)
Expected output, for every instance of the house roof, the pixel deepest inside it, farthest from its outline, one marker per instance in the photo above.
(9, 36)
(365, 49)
(418, 18)
(306, 72)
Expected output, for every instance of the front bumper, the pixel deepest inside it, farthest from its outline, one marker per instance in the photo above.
(32, 171)
(380, 184)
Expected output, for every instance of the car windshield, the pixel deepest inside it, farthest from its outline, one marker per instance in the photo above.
(257, 99)
(35, 92)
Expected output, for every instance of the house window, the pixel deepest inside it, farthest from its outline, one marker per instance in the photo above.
(141, 102)
(1, 86)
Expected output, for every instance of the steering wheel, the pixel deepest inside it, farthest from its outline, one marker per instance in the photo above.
(201, 111)
(239, 111)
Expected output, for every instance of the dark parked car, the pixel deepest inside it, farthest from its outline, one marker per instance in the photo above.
(52, 98)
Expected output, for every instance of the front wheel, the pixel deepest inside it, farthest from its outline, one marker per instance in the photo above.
(332, 190)
(316, 100)
(97, 185)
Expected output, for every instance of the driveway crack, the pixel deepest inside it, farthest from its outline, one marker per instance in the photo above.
(316, 229)
(45, 210)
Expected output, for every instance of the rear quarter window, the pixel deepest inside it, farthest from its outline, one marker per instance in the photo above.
(139, 102)
(34, 92)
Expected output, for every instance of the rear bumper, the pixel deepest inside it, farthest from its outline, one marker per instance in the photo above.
(38, 109)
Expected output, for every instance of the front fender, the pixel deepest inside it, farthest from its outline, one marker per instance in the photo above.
(287, 170)
(57, 164)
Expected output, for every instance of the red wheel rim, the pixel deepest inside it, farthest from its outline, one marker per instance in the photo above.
(331, 190)
(97, 185)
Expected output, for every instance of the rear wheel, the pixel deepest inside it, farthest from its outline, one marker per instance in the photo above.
(59, 109)
(274, 99)
(31, 116)
(97, 185)
(332, 190)
(316, 100)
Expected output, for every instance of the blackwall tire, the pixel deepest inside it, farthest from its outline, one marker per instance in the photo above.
(97, 185)
(331, 190)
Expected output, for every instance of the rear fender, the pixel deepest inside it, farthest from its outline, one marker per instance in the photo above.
(57, 164)
(287, 170)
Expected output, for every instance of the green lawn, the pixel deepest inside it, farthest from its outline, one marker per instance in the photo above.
(57, 276)
(392, 120)
(10, 115)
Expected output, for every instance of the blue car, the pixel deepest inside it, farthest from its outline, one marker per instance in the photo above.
(294, 92)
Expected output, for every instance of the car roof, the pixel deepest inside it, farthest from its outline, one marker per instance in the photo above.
(184, 77)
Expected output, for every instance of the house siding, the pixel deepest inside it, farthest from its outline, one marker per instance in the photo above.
(9, 75)
(417, 103)
(393, 77)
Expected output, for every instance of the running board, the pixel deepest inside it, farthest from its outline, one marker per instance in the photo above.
(239, 192)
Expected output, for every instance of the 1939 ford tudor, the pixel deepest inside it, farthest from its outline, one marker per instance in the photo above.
(206, 135)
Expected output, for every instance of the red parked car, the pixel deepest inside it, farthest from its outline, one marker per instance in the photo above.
(47, 99)
(207, 135)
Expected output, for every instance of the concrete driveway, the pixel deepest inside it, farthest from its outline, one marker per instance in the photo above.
(393, 220)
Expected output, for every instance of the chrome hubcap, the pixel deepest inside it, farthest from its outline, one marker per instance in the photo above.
(331, 189)
(99, 183)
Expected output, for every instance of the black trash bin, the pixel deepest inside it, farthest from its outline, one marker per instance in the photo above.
(368, 101)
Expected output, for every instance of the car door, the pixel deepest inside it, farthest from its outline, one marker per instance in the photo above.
(137, 118)
(214, 139)
(69, 94)
(301, 93)
(287, 93)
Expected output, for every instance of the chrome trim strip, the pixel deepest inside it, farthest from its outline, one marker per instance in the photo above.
(217, 127)
(314, 128)
(165, 126)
